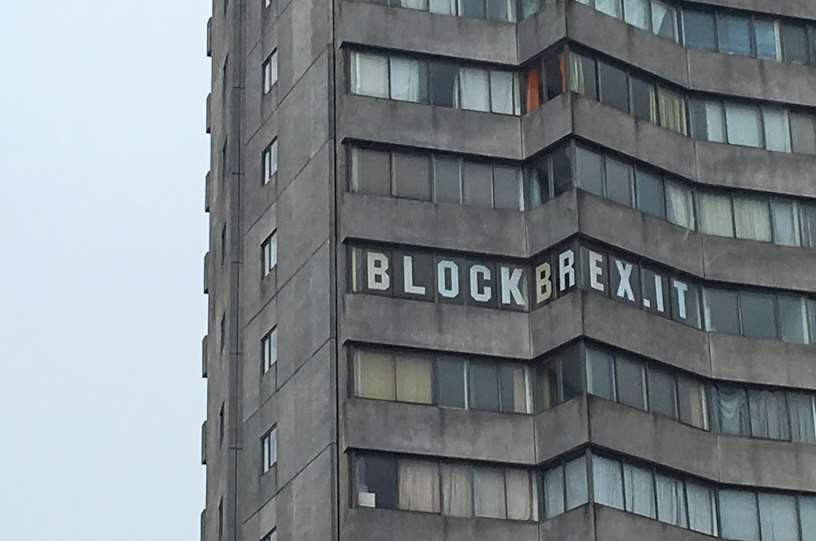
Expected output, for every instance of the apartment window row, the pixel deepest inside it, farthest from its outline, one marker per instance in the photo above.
(444, 487)
(436, 82)
(269, 161)
(736, 122)
(657, 494)
(269, 351)
(269, 450)
(732, 409)
(269, 70)
(727, 213)
(446, 380)
(725, 31)
(493, 10)
(437, 177)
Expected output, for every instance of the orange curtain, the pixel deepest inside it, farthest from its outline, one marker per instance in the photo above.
(533, 93)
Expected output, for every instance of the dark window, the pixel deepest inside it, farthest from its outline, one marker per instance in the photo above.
(572, 374)
(793, 320)
(803, 133)
(513, 388)
(472, 8)
(700, 30)
(538, 181)
(614, 86)
(477, 184)
(590, 171)
(650, 197)
(412, 178)
(757, 312)
(450, 382)
(444, 84)
(377, 482)
(662, 393)
(644, 100)
(794, 43)
(562, 170)
(731, 414)
(448, 180)
(735, 35)
(484, 386)
(506, 187)
(553, 76)
(631, 382)
(721, 311)
(370, 171)
(619, 182)
(600, 374)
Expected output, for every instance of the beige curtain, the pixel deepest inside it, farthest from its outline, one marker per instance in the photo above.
(414, 379)
(374, 375)
(419, 485)
(672, 110)
(457, 490)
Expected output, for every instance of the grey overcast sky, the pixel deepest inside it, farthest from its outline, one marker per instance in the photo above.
(102, 161)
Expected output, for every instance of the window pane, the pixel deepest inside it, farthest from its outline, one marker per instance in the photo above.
(757, 312)
(631, 378)
(662, 393)
(619, 182)
(519, 495)
(582, 77)
(802, 418)
(671, 502)
(644, 99)
(664, 20)
(537, 177)
(590, 171)
(672, 108)
(803, 133)
(767, 39)
(555, 85)
(753, 218)
(409, 79)
(554, 492)
(793, 319)
(636, 13)
(369, 75)
(732, 411)
(607, 482)
(500, 10)
(610, 7)
(600, 374)
(639, 491)
(650, 196)
(769, 415)
(562, 170)
(614, 86)
(444, 84)
(457, 490)
(447, 180)
(679, 204)
(513, 388)
(573, 375)
(777, 129)
(807, 514)
(370, 171)
(501, 91)
(707, 121)
(740, 519)
(374, 375)
(715, 211)
(777, 514)
(692, 401)
(443, 7)
(377, 482)
(794, 42)
(701, 509)
(450, 384)
(489, 492)
(411, 4)
(721, 311)
(484, 386)
(507, 187)
(412, 176)
(472, 8)
(700, 31)
(808, 225)
(478, 184)
(744, 125)
(529, 7)
(474, 92)
(419, 485)
(735, 35)
(577, 486)
(785, 222)
(414, 377)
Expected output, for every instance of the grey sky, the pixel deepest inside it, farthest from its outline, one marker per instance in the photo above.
(102, 160)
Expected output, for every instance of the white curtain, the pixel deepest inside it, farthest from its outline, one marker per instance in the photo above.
(414, 379)
(369, 75)
(753, 218)
(419, 485)
(577, 488)
(577, 80)
(715, 122)
(489, 493)
(639, 491)
(701, 510)
(778, 517)
(733, 411)
(743, 125)
(501, 92)
(554, 492)
(768, 415)
(786, 223)
(807, 514)
(777, 129)
(457, 490)
(715, 214)
(444, 7)
(679, 208)
(607, 482)
(474, 89)
(519, 495)
(740, 519)
(636, 13)
(671, 503)
(802, 417)
(374, 375)
(406, 82)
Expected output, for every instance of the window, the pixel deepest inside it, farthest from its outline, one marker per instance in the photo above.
(414, 375)
(582, 78)
(472, 8)
(679, 204)
(450, 373)
(803, 133)
(607, 482)
(752, 216)
(631, 380)
(740, 519)
(521, 495)
(707, 120)
(590, 171)
(447, 179)
(662, 393)
(374, 375)
(600, 374)
(700, 29)
(619, 187)
(744, 125)
(444, 84)
(614, 87)
(636, 13)
(767, 39)
(474, 88)
(513, 382)
(794, 43)
(478, 184)
(702, 508)
(377, 482)
(489, 493)
(269, 254)
(664, 20)
(484, 389)
(785, 222)
(777, 514)
(721, 311)
(369, 75)
(644, 99)
(554, 492)
(672, 108)
(412, 176)
(610, 7)
(370, 171)
(769, 414)
(639, 491)
(411, 4)
(777, 129)
(409, 79)
(502, 92)
(270, 161)
(671, 501)
(501, 10)
(808, 225)
(457, 490)
(555, 74)
(801, 409)
(507, 187)
(793, 319)
(419, 485)
(269, 449)
(270, 72)
(650, 196)
(562, 170)
(735, 34)
(269, 350)
(576, 483)
(692, 402)
(732, 415)
(758, 315)
(716, 216)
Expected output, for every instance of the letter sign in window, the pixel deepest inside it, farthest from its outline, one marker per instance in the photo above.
(596, 271)
(513, 287)
(413, 276)
(626, 281)
(480, 279)
(566, 270)
(543, 280)
(680, 288)
(447, 279)
(377, 266)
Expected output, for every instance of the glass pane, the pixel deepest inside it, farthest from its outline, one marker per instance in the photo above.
(808, 219)
(807, 514)
(735, 35)
(478, 184)
(769, 415)
(472, 8)
(671, 502)
(802, 417)
(614, 86)
(374, 375)
(636, 13)
(419, 485)
(590, 171)
(692, 401)
(507, 187)
(744, 125)
(447, 180)
(457, 490)
(519, 495)
(554, 492)
(488, 492)
(785, 222)
(501, 91)
(554, 82)
(600, 375)
(500, 10)
(610, 7)
(409, 79)
(699, 29)
(414, 377)
(793, 319)
(794, 41)
(514, 388)
(631, 379)
(411, 4)
(715, 214)
(740, 519)
(444, 84)
(733, 413)
(758, 318)
(672, 107)
(767, 39)
(450, 384)
(377, 482)
(537, 178)
(707, 121)
(777, 129)
(369, 75)
(370, 171)
(679, 204)
(721, 311)
(577, 486)
(650, 196)
(803, 133)
(412, 176)
(562, 170)
(443, 7)
(639, 491)
(529, 7)
(573, 375)
(484, 386)
(664, 20)
(644, 100)
(752, 216)
(662, 393)
(607, 482)
(701, 509)
(474, 92)
(619, 182)
(582, 77)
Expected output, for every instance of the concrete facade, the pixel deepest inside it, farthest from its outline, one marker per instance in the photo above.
(309, 396)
